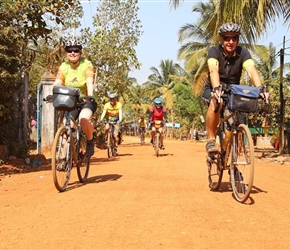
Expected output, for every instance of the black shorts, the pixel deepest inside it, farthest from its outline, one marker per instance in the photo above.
(89, 105)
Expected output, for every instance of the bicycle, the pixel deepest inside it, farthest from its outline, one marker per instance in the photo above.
(111, 148)
(156, 140)
(236, 152)
(142, 135)
(69, 144)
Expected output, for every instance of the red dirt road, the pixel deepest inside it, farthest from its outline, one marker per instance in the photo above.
(139, 201)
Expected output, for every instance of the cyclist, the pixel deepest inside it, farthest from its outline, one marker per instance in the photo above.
(113, 113)
(142, 125)
(78, 72)
(225, 63)
(157, 113)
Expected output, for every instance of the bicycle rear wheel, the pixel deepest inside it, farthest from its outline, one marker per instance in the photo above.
(61, 159)
(156, 144)
(242, 165)
(83, 165)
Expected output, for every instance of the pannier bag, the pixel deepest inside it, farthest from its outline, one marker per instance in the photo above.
(65, 98)
(243, 98)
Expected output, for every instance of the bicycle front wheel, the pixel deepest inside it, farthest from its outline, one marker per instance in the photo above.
(242, 165)
(83, 165)
(61, 159)
(110, 146)
(142, 138)
(156, 144)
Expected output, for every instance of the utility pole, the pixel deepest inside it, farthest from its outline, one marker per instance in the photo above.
(282, 102)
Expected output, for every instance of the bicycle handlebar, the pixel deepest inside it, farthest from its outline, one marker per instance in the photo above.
(49, 98)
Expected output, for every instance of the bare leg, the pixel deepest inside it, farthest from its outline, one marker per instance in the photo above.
(212, 120)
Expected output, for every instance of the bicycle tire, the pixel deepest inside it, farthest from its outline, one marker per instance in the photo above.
(215, 170)
(113, 145)
(83, 165)
(109, 148)
(156, 144)
(242, 164)
(61, 167)
(215, 164)
(142, 138)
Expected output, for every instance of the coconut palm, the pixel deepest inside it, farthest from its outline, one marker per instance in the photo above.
(160, 82)
(254, 16)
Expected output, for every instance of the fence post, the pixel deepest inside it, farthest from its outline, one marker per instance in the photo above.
(47, 115)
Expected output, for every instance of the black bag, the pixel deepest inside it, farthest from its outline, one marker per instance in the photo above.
(65, 98)
(243, 98)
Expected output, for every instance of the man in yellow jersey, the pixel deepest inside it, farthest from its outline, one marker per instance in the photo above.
(142, 126)
(225, 63)
(78, 72)
(113, 113)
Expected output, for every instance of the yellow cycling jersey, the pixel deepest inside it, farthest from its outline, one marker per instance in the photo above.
(112, 112)
(76, 78)
(142, 123)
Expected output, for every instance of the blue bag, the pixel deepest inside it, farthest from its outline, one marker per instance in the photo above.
(243, 98)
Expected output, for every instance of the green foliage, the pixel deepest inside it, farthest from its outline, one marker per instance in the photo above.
(112, 44)
(187, 107)
(23, 24)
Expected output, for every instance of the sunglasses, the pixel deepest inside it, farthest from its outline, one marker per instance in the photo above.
(73, 50)
(229, 38)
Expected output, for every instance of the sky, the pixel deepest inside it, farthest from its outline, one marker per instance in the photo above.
(160, 32)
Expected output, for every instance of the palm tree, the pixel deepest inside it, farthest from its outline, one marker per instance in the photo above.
(254, 16)
(160, 83)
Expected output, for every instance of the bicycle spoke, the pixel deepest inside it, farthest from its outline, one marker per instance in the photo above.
(61, 159)
(83, 165)
(242, 167)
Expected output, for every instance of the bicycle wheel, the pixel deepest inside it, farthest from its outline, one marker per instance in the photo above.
(111, 146)
(83, 165)
(142, 138)
(156, 144)
(214, 163)
(61, 159)
(215, 170)
(242, 165)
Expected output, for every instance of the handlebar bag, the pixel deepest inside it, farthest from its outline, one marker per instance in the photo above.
(65, 98)
(243, 98)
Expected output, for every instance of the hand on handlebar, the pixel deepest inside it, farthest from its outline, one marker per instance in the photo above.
(217, 94)
(88, 98)
(264, 93)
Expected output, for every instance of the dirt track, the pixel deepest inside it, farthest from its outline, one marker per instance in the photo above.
(139, 201)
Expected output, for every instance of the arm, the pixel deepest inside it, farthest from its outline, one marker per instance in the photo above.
(59, 80)
(120, 114)
(150, 115)
(165, 116)
(254, 75)
(213, 66)
(103, 114)
(90, 81)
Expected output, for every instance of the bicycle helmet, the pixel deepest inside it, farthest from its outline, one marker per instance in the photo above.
(112, 96)
(158, 100)
(73, 43)
(230, 27)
